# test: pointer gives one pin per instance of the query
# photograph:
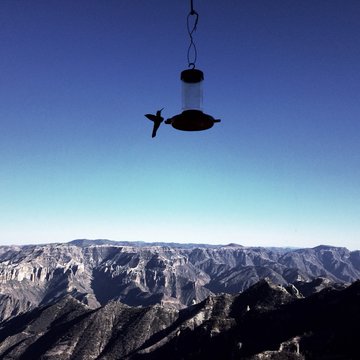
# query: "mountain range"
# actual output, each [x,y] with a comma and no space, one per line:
[161,300]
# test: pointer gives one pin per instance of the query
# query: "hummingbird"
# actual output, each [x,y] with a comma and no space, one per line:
[157,119]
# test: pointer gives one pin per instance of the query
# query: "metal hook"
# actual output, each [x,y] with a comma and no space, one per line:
[192,7]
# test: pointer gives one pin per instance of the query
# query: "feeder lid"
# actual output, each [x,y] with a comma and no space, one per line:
[192,76]
[192,120]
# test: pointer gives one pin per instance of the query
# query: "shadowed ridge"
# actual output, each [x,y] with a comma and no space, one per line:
[27,336]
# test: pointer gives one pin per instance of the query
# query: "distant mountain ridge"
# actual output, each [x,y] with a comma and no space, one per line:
[87,242]
[96,272]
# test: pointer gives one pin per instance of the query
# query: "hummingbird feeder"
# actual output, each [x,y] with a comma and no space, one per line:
[192,117]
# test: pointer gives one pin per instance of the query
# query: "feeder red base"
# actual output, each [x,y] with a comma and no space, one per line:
[192,120]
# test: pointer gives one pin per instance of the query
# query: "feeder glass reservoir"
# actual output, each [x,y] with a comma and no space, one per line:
[192,117]
[192,92]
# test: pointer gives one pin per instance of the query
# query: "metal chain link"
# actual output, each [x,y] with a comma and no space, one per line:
[191,28]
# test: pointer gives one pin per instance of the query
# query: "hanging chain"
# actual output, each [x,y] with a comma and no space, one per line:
[191,28]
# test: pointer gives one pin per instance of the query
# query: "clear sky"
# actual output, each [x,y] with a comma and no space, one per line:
[76,155]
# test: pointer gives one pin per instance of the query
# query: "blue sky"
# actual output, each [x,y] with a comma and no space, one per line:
[77,157]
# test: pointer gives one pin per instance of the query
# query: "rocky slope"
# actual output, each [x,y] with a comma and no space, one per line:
[96,272]
[266,321]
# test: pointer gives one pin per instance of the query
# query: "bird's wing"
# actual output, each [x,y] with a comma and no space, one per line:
[151,117]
